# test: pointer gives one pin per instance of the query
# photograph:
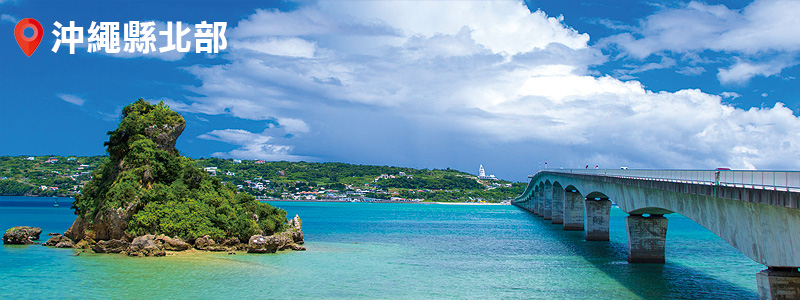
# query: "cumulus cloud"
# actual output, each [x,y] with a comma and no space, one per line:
[732,95]
[743,71]
[251,145]
[765,30]
[8,18]
[293,47]
[71,99]
[432,82]
[764,25]
[293,126]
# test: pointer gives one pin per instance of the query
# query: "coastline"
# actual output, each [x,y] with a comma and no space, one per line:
[470,203]
[401,202]
[290,200]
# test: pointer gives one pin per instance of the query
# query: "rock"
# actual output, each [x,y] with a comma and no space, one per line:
[296,228]
[110,246]
[109,224]
[165,135]
[85,243]
[21,235]
[231,242]
[268,244]
[53,234]
[64,244]
[145,246]
[291,238]
[76,231]
[202,243]
[59,241]
[217,248]
[172,244]
[297,247]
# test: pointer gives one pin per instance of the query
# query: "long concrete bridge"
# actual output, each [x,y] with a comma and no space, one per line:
[756,212]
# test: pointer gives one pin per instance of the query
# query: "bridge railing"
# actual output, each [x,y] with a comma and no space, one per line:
[773,180]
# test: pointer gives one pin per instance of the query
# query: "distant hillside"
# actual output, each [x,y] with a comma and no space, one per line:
[63,176]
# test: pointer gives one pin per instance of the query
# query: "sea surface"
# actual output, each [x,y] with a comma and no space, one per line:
[382,250]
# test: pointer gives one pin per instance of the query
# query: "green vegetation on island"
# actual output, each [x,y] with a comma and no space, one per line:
[146,187]
[63,176]
[165,174]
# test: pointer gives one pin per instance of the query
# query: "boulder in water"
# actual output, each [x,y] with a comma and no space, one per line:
[202,243]
[296,228]
[145,246]
[110,246]
[268,244]
[172,244]
[59,241]
[21,235]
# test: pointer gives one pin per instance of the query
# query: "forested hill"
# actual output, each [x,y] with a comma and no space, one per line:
[63,176]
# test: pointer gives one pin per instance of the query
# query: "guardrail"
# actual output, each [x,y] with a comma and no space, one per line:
[774,180]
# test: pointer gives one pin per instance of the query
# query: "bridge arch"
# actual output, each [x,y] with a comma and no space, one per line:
[595,195]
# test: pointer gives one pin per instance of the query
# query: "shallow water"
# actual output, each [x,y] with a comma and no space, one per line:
[399,251]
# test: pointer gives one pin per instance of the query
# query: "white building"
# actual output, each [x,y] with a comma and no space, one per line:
[482,174]
[211,170]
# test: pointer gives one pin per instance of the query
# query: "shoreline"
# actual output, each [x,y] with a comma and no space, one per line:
[399,202]
[289,200]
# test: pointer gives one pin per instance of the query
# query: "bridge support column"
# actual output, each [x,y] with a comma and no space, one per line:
[540,202]
[646,238]
[532,204]
[548,202]
[597,216]
[573,210]
[778,283]
[557,208]
[535,203]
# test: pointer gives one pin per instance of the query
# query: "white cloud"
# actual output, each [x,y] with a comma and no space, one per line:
[743,71]
[293,47]
[252,145]
[394,82]
[8,18]
[71,99]
[293,126]
[764,25]
[759,36]
[732,95]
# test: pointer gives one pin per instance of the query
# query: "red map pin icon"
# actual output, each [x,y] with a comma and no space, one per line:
[28,44]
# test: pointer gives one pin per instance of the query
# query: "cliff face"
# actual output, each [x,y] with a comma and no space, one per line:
[107,225]
[147,188]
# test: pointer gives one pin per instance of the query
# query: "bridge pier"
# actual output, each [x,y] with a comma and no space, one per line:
[573,210]
[557,208]
[778,283]
[646,238]
[597,216]
[540,201]
[535,199]
[530,203]
[548,202]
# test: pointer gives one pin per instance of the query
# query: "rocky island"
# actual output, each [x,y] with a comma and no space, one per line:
[147,199]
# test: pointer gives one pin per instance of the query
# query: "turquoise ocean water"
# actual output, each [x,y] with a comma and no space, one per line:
[397,251]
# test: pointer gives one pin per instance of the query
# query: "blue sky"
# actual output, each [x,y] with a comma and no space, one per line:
[506,84]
